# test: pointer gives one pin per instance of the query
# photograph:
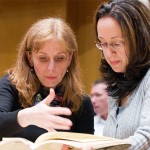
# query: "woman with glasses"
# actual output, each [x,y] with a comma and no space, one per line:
[123,38]
[43,91]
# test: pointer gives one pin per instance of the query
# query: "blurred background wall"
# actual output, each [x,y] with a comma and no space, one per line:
[16,16]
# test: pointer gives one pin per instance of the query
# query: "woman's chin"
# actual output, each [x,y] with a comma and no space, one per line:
[118,70]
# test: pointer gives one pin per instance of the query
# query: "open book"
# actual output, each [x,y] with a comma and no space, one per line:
[65,141]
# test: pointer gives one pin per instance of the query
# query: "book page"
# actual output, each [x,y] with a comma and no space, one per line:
[55,140]
[79,137]
[15,144]
[73,145]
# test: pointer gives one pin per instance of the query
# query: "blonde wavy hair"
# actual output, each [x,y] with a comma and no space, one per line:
[27,82]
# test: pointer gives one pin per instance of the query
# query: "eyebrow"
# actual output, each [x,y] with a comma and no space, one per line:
[63,52]
[111,38]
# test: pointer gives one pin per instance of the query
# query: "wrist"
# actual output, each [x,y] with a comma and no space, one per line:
[22,117]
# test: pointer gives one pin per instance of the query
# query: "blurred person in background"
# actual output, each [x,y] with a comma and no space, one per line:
[99,97]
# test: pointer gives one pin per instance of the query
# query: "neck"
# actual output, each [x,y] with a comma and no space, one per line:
[104,116]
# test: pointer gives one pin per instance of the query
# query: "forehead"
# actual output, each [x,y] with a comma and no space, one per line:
[99,88]
[108,27]
[52,46]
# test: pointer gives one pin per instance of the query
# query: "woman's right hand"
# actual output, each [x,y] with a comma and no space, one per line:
[44,116]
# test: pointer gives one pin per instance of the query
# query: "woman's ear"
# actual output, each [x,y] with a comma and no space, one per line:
[29,56]
[70,58]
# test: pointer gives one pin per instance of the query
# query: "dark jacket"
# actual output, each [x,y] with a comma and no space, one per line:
[83,120]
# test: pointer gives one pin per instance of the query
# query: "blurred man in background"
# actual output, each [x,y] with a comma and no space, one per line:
[99,98]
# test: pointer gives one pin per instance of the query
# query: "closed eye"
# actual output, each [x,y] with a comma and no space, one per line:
[61,58]
[43,59]
[116,44]
[103,44]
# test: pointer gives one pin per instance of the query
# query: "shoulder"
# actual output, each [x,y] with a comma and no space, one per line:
[147,76]
[6,84]
[5,80]
[86,97]
[145,83]
[86,101]
[96,118]
[86,104]
[112,102]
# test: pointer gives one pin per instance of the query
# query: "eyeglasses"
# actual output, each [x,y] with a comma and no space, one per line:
[116,45]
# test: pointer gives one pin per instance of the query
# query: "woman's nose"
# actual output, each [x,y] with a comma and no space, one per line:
[109,52]
[51,65]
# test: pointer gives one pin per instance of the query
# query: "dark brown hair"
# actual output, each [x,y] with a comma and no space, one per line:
[134,20]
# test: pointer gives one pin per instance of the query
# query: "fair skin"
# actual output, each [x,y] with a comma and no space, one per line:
[109,31]
[99,100]
[50,65]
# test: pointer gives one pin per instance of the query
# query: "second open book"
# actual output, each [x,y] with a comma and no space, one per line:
[59,140]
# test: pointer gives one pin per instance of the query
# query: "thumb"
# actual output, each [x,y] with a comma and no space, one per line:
[50,97]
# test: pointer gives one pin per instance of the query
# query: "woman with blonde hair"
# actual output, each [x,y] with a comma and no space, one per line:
[43,91]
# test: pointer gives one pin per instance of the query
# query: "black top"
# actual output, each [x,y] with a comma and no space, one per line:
[83,120]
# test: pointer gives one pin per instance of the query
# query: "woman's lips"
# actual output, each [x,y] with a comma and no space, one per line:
[114,62]
[51,78]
